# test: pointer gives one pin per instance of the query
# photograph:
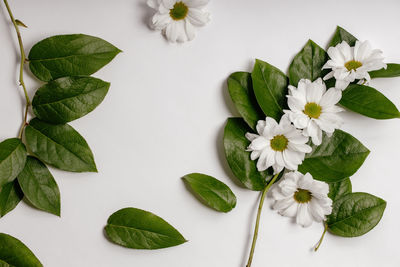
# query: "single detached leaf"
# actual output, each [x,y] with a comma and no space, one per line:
[10,196]
[211,191]
[39,186]
[337,158]
[392,70]
[308,63]
[12,159]
[342,35]
[240,89]
[14,253]
[368,102]
[355,214]
[60,146]
[235,144]
[270,88]
[139,229]
[69,98]
[69,55]
[339,189]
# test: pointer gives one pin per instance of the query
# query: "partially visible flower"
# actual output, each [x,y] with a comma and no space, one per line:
[313,108]
[300,196]
[352,63]
[177,19]
[277,145]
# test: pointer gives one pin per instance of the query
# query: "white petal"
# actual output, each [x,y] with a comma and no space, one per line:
[196,3]
[160,21]
[190,30]
[279,159]
[303,216]
[198,17]
[260,127]
[153,4]
[251,136]
[314,92]
[290,211]
[331,97]
[341,84]
[259,143]
[283,203]
[316,211]
[306,181]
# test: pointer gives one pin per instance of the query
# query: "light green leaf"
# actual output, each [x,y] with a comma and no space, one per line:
[392,70]
[339,189]
[342,35]
[15,253]
[12,159]
[10,196]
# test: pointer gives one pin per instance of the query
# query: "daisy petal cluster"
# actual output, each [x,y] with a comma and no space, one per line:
[178,19]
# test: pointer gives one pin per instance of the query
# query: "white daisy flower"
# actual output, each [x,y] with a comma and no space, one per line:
[300,196]
[277,145]
[177,19]
[352,63]
[313,108]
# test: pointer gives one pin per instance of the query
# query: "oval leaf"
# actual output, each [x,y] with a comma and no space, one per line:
[39,186]
[69,98]
[60,146]
[69,55]
[355,214]
[10,196]
[342,35]
[337,158]
[139,229]
[392,70]
[211,191]
[15,253]
[369,102]
[12,159]
[339,189]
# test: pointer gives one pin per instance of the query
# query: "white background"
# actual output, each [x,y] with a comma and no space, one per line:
[163,118]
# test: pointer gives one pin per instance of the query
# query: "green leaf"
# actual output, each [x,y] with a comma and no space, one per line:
[10,196]
[12,159]
[339,189]
[337,158]
[60,146]
[368,102]
[270,87]
[69,55]
[235,144]
[139,229]
[241,91]
[342,35]
[211,191]
[392,70]
[39,186]
[15,253]
[69,98]
[355,214]
[308,63]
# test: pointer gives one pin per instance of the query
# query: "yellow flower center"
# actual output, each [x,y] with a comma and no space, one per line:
[312,110]
[279,142]
[352,65]
[302,196]
[179,11]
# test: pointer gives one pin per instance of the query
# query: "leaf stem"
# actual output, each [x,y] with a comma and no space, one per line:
[260,206]
[322,237]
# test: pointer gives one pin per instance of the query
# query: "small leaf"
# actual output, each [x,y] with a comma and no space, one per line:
[39,186]
[355,214]
[60,146]
[339,189]
[270,87]
[20,23]
[14,253]
[10,196]
[369,102]
[12,159]
[69,55]
[211,191]
[241,91]
[337,158]
[392,70]
[139,229]
[342,35]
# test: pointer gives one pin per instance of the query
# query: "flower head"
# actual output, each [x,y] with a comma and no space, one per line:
[277,145]
[352,63]
[313,108]
[300,196]
[177,19]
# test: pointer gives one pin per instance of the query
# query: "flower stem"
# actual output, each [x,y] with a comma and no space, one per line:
[322,237]
[255,235]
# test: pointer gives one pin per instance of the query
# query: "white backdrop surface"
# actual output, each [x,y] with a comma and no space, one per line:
[163,118]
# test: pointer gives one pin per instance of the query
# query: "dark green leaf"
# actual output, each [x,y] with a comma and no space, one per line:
[10,196]
[337,158]
[241,91]
[60,146]
[368,102]
[211,191]
[270,87]
[69,98]
[355,214]
[12,159]
[339,189]
[69,55]
[139,229]
[15,253]
[39,186]
[392,70]
[342,35]
[235,144]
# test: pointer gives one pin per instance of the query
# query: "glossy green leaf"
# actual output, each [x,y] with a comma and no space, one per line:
[235,144]
[368,102]
[339,189]
[392,70]
[15,253]
[240,89]
[10,196]
[39,186]
[69,55]
[69,98]
[270,88]
[211,191]
[355,214]
[60,146]
[337,158]
[12,159]
[139,229]
[342,35]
